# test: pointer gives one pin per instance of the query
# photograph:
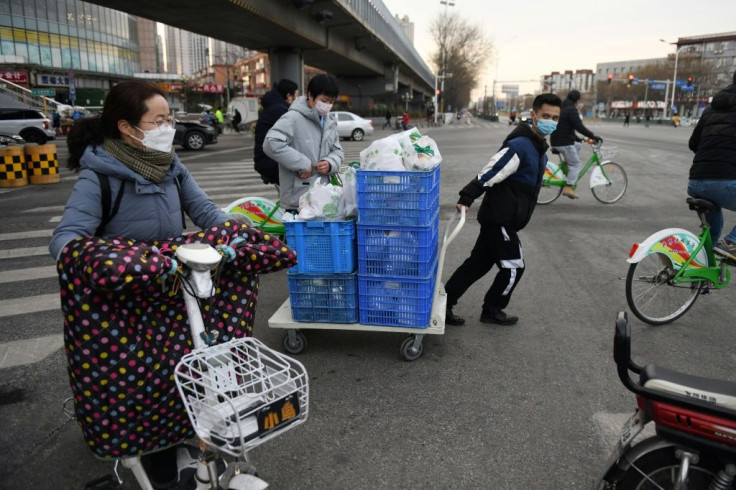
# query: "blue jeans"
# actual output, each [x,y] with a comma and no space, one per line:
[571,155]
[722,193]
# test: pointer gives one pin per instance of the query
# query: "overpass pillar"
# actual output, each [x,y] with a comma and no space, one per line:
[287,63]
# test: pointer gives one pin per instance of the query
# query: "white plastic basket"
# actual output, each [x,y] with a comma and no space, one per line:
[239,394]
[607,152]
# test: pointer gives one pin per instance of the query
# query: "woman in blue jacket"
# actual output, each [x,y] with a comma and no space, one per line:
[131,146]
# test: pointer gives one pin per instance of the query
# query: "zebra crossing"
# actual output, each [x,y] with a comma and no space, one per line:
[28,278]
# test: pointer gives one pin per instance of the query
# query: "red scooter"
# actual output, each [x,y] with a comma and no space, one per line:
[695,421]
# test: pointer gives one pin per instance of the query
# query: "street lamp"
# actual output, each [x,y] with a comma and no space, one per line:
[674,76]
[446,3]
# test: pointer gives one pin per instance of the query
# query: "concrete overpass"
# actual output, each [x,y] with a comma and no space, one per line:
[358,41]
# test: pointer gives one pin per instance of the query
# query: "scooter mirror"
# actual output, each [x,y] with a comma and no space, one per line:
[622,340]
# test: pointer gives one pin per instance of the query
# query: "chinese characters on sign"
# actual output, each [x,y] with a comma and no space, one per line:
[212,88]
[52,80]
[15,76]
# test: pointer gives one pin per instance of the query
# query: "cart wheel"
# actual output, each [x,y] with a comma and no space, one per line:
[410,352]
[295,346]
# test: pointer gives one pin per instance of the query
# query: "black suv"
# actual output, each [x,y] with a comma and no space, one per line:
[193,135]
[30,124]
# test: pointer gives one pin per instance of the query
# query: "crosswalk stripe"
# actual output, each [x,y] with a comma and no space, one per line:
[45,209]
[29,304]
[23,352]
[28,274]
[16,253]
[20,235]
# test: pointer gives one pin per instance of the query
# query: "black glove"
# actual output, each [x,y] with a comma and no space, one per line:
[597,139]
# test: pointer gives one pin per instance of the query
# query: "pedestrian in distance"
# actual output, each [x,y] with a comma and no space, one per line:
[627,118]
[647,117]
[566,141]
[237,119]
[56,122]
[387,120]
[675,121]
[219,120]
[510,181]
[275,103]
[304,141]
[713,173]
[405,121]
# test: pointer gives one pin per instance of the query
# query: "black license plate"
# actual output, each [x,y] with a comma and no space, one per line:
[277,414]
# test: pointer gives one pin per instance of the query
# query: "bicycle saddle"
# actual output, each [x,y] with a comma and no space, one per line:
[555,151]
[716,391]
[699,204]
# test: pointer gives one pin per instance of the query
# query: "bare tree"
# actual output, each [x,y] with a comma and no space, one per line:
[462,49]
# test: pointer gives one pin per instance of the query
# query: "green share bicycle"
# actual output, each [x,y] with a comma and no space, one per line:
[607,181]
[671,268]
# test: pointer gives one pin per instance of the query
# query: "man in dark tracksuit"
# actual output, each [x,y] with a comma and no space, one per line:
[511,182]
[275,104]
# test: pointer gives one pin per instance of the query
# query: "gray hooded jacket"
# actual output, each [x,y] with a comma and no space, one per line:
[147,212]
[297,142]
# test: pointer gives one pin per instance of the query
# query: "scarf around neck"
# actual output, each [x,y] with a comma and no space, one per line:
[150,164]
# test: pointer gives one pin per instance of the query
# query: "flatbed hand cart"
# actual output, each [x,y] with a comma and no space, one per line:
[294,341]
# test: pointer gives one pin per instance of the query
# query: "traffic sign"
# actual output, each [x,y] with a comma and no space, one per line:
[48,92]
[685,88]
[657,86]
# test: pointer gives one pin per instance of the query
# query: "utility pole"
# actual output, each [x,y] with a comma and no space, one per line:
[446,3]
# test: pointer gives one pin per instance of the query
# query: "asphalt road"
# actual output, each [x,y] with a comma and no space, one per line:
[533,406]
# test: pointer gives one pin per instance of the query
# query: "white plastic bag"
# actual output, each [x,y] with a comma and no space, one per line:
[321,202]
[383,154]
[426,155]
[349,199]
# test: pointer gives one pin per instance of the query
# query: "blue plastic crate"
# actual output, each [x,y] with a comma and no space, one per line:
[398,251]
[398,198]
[322,247]
[396,301]
[319,298]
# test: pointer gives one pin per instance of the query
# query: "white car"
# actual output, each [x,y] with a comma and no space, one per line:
[351,125]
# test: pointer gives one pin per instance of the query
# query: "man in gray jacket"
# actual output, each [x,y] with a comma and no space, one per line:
[304,141]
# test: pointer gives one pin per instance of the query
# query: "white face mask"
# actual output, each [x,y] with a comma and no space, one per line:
[323,108]
[160,139]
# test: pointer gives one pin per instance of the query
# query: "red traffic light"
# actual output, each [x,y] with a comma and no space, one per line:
[439,91]
[631,77]
[689,81]
[610,77]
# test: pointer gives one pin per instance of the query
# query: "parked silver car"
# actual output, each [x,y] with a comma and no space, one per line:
[33,126]
[351,125]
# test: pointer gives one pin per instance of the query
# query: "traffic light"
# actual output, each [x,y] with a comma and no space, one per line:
[439,95]
[610,78]
[689,81]
[631,80]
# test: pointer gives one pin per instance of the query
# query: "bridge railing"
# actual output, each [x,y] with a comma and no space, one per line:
[25,96]
[377,18]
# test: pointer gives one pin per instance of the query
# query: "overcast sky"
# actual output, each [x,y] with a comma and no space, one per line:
[532,38]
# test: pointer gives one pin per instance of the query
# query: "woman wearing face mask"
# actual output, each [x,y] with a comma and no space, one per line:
[304,141]
[130,144]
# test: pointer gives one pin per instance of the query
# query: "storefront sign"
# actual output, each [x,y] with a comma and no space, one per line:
[52,80]
[15,76]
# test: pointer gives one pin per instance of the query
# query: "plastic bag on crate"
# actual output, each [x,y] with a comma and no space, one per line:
[427,155]
[349,199]
[321,202]
[383,154]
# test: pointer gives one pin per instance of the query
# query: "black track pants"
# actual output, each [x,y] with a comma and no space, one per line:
[495,245]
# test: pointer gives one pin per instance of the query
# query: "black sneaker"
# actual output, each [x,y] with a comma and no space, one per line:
[453,319]
[497,316]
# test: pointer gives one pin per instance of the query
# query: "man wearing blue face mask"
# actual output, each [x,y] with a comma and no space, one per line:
[511,181]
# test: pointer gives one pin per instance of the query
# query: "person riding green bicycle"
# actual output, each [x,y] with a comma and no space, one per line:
[567,143]
[713,173]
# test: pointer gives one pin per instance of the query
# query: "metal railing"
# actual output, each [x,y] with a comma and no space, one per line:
[376,17]
[25,96]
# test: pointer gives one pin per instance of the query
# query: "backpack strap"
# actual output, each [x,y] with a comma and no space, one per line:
[106,201]
[177,179]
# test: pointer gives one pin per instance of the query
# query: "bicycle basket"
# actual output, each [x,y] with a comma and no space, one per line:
[239,394]
[607,152]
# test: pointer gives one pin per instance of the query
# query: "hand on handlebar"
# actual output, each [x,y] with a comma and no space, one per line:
[460,208]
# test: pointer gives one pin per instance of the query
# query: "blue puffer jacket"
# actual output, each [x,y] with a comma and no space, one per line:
[148,211]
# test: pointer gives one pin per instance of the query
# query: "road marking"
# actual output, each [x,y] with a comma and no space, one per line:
[212,153]
[20,235]
[15,253]
[29,304]
[23,352]
[46,209]
[28,274]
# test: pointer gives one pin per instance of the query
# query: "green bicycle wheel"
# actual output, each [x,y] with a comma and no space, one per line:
[616,187]
[652,295]
[548,193]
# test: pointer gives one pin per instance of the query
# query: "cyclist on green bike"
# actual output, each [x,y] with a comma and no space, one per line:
[713,173]
[567,143]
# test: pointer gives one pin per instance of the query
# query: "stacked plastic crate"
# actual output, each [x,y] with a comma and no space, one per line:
[323,286]
[398,236]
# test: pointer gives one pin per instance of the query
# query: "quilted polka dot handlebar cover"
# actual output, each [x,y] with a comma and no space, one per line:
[126,328]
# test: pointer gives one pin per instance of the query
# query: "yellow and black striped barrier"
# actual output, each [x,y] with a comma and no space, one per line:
[13,168]
[42,164]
